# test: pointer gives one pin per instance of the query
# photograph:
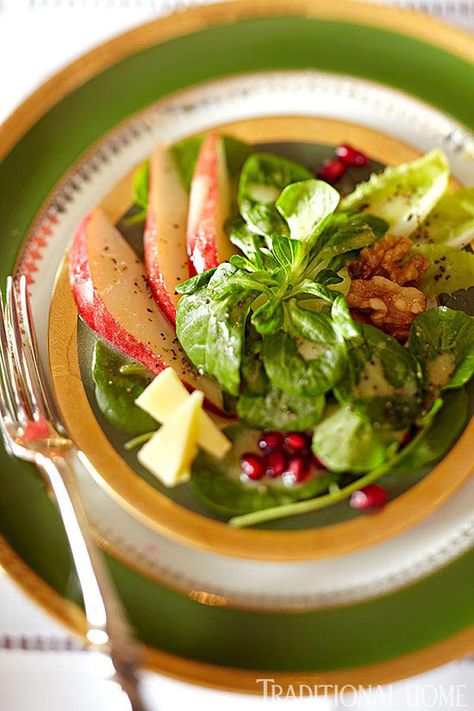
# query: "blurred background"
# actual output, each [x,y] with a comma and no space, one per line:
[41,667]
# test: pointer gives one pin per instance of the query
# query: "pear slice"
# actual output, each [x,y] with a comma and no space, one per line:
[165,394]
[170,452]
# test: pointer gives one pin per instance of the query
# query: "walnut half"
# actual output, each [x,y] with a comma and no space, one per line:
[390,306]
[386,258]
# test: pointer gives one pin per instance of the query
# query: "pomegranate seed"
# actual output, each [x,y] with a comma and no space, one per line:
[275,463]
[270,441]
[298,470]
[371,496]
[332,170]
[351,155]
[296,442]
[252,465]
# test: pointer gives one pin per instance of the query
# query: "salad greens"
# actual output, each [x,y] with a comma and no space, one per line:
[381,379]
[442,340]
[451,222]
[346,441]
[336,494]
[403,195]
[273,328]
[448,270]
[116,390]
[218,483]
[262,180]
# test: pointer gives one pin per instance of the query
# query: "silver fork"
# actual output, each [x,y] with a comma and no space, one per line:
[32,431]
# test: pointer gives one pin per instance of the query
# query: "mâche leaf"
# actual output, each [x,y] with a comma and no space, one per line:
[262,179]
[305,206]
[310,361]
[211,330]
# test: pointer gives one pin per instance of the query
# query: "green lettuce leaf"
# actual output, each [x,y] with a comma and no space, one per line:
[211,330]
[305,206]
[277,410]
[451,222]
[403,195]
[448,270]
[262,179]
[382,379]
[442,340]
[345,441]
[116,391]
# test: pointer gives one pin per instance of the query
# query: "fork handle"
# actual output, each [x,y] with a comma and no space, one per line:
[108,633]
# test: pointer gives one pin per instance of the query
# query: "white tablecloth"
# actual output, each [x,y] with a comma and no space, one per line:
[36,38]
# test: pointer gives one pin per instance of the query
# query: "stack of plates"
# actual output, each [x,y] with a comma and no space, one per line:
[325,599]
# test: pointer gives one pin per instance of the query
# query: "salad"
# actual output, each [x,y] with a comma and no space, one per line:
[285,344]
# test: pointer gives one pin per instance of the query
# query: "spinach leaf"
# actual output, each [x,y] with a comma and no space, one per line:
[262,179]
[382,379]
[116,391]
[211,330]
[345,441]
[442,340]
[218,484]
[310,363]
[277,410]
[438,439]
[306,206]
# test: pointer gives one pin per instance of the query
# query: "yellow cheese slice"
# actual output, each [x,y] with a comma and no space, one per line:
[170,452]
[166,393]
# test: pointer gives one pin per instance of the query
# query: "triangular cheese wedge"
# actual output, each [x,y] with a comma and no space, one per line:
[166,393]
[170,452]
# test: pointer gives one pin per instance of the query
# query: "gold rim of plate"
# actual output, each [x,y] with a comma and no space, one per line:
[158,511]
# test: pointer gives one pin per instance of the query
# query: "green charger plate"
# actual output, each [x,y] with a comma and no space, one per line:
[200,639]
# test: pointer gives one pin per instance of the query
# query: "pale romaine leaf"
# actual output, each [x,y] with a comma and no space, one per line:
[442,340]
[305,205]
[451,222]
[402,195]
[448,270]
